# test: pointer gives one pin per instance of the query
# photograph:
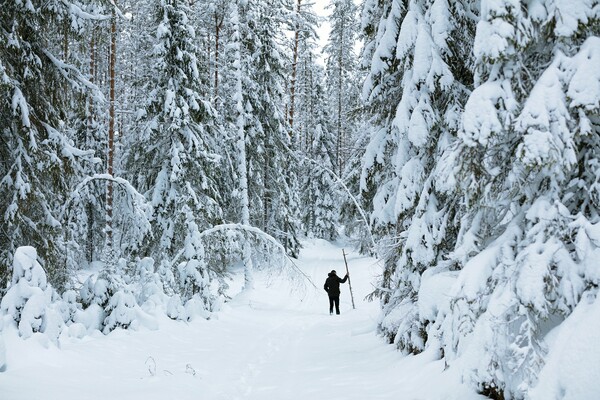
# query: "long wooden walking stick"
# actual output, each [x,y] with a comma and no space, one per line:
[349,283]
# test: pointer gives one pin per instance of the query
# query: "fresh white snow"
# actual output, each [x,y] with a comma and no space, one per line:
[276,341]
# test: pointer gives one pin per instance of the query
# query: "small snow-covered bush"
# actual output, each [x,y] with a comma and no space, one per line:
[92,318]
[175,309]
[120,311]
[94,291]
[109,304]
[151,293]
[2,349]
[30,300]
[69,306]
[199,287]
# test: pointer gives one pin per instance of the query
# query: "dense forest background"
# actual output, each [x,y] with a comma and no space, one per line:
[159,143]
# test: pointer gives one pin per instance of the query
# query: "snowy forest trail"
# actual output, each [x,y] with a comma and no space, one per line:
[275,341]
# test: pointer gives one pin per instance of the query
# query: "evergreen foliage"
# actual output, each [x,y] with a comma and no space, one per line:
[180,115]
[472,162]
[174,161]
[39,160]
[476,168]
[342,80]
[319,189]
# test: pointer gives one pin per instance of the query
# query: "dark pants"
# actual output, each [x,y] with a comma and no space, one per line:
[334,300]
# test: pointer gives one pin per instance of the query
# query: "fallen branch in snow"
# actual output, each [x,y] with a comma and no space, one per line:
[151,363]
[190,370]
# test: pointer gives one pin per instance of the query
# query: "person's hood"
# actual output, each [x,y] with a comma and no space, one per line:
[331,274]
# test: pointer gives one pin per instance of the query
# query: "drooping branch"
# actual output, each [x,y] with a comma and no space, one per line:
[258,233]
[338,179]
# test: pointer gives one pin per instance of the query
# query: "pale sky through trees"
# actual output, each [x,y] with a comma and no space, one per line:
[323,30]
[320,7]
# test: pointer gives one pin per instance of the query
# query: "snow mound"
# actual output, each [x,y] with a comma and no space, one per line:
[571,371]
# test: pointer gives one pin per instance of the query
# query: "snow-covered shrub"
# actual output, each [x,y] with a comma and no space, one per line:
[93,295]
[191,279]
[27,268]
[2,347]
[120,311]
[199,288]
[109,303]
[197,306]
[95,291]
[150,294]
[167,277]
[69,306]
[90,318]
[175,309]
[30,300]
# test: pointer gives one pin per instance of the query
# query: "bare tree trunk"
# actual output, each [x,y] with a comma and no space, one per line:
[294,68]
[92,76]
[66,41]
[90,232]
[266,194]
[218,26]
[111,129]
[340,132]
[311,98]
[90,208]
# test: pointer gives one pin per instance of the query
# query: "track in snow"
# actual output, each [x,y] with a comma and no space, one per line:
[271,342]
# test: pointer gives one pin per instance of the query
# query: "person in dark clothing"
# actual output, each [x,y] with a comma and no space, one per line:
[332,287]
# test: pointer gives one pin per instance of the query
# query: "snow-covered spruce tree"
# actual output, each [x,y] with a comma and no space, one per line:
[272,186]
[310,128]
[174,161]
[309,76]
[320,191]
[39,161]
[416,89]
[340,65]
[87,119]
[303,22]
[527,163]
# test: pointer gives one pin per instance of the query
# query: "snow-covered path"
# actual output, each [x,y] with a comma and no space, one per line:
[273,342]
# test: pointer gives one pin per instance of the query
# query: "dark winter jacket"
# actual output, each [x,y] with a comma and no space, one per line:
[332,284]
